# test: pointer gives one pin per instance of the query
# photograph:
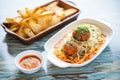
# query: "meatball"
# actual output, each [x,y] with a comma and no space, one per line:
[70,49]
[81,33]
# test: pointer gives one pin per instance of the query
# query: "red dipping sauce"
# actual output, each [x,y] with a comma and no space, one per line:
[30,62]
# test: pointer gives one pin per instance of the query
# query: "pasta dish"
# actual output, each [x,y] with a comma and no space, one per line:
[80,44]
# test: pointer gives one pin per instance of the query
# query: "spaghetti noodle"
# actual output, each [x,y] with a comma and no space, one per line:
[80,45]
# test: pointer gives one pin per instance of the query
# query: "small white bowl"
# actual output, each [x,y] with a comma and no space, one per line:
[104,26]
[27,53]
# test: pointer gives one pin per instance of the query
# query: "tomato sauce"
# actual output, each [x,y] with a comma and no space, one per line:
[30,62]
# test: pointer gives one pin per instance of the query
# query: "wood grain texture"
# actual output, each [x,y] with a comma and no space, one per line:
[105,67]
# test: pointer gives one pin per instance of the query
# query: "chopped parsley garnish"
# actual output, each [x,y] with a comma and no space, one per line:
[82,33]
[82,29]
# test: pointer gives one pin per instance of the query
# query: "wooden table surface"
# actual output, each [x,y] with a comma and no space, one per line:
[105,67]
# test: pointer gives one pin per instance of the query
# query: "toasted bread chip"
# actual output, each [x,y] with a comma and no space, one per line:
[51,6]
[55,20]
[60,13]
[45,21]
[69,12]
[46,13]
[21,33]
[28,32]
[36,28]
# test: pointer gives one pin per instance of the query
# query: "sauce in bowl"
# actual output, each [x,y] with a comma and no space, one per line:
[30,62]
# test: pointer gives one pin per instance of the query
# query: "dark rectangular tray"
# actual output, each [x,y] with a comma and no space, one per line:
[50,29]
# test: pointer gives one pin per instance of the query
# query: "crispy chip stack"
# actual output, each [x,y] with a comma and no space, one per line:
[31,22]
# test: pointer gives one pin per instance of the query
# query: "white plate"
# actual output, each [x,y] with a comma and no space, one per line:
[49,45]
